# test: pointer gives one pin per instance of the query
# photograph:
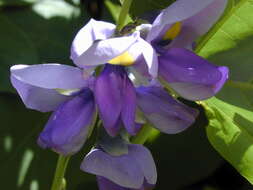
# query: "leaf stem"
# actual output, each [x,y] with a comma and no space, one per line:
[123,14]
[59,182]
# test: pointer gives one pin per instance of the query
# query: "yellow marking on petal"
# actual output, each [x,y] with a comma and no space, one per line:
[68,92]
[125,59]
[173,31]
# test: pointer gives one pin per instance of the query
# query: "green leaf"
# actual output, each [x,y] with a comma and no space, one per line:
[234,26]
[115,9]
[230,130]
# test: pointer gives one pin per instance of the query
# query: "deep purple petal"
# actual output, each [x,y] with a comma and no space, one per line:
[122,170]
[108,97]
[49,76]
[105,50]
[68,127]
[165,113]
[191,76]
[93,30]
[129,106]
[36,98]
[178,11]
[105,184]
[199,24]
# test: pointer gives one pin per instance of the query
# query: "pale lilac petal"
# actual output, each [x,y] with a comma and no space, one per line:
[108,97]
[104,50]
[178,11]
[68,127]
[191,76]
[122,170]
[145,160]
[141,47]
[49,76]
[93,30]
[199,24]
[129,107]
[165,113]
[36,98]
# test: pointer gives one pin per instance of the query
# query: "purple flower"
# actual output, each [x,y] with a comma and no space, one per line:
[114,91]
[116,99]
[173,32]
[67,90]
[68,127]
[191,76]
[39,86]
[134,170]
[163,111]
[184,21]
[96,44]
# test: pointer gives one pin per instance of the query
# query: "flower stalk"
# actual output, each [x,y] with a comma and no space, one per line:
[59,182]
[143,135]
[123,14]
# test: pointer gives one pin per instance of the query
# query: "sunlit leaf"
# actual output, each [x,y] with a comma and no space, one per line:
[230,130]
[115,9]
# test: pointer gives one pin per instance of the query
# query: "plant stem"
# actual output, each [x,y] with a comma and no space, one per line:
[59,182]
[143,135]
[123,14]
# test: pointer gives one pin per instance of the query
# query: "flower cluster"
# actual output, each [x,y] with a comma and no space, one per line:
[125,79]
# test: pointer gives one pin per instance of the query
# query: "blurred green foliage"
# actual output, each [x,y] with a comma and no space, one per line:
[141,7]
[30,35]
[16,2]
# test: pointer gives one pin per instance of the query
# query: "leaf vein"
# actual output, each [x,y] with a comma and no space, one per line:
[231,120]
[243,20]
